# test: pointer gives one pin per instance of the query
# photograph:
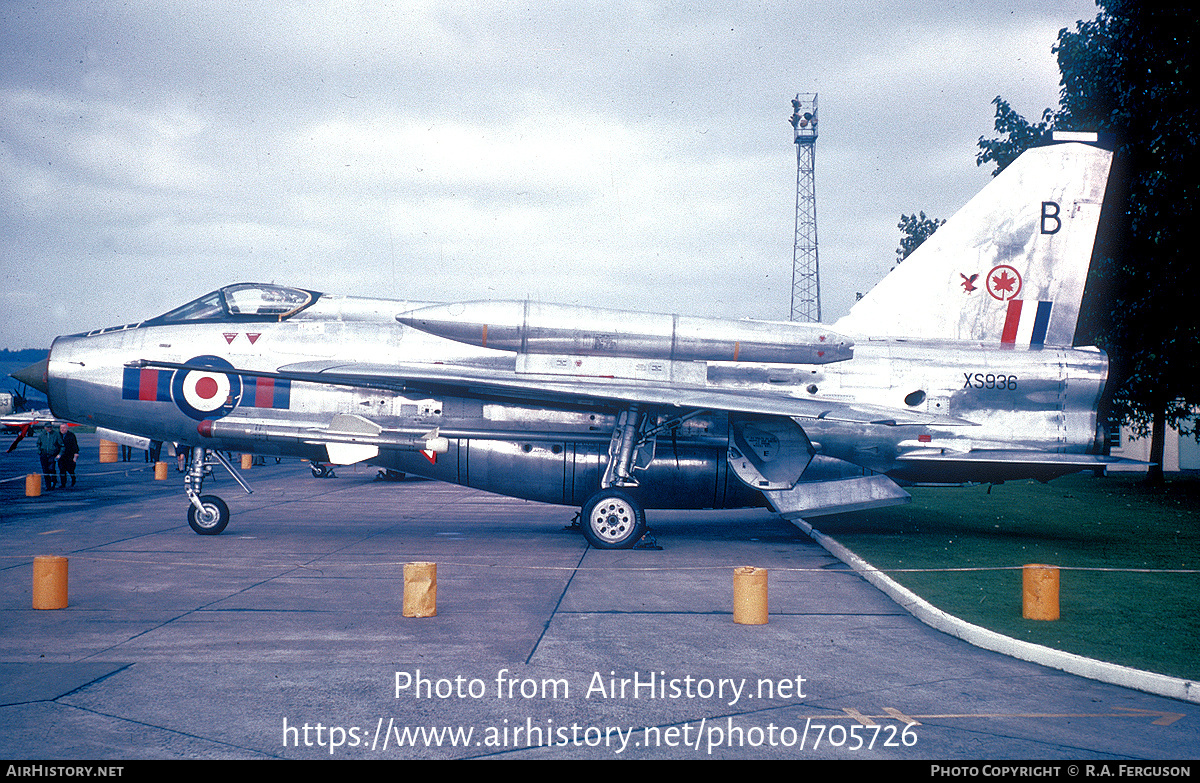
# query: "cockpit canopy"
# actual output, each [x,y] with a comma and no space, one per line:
[242,302]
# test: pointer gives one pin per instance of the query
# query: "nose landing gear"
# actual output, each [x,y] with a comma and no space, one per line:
[210,518]
[208,514]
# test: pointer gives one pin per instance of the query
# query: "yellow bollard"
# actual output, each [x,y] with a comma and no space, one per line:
[420,589]
[33,485]
[160,471]
[1039,592]
[750,595]
[49,582]
[108,451]
[247,461]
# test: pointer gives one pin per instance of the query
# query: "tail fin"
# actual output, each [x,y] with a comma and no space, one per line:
[1009,267]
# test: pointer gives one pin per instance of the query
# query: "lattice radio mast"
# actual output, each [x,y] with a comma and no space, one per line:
[806,278]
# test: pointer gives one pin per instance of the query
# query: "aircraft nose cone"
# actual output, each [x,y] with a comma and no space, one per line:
[35,375]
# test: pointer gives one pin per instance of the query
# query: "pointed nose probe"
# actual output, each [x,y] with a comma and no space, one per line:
[35,375]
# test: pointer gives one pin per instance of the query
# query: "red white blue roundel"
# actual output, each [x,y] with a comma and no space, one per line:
[201,394]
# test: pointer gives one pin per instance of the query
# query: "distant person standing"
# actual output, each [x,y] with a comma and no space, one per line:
[68,457]
[49,446]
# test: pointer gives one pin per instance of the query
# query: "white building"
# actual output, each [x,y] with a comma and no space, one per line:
[1180,452]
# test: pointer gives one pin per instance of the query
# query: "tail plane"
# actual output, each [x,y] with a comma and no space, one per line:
[1008,268]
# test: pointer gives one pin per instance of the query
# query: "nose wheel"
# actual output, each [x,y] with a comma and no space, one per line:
[207,514]
[211,518]
[613,520]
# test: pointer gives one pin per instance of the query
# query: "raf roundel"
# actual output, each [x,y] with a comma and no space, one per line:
[203,394]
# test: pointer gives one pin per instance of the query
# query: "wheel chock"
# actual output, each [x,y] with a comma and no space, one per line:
[420,589]
[750,595]
[49,582]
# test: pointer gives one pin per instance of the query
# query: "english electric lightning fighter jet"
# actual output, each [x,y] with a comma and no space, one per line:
[928,379]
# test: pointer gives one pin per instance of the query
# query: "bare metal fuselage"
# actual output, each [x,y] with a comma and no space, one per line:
[965,401]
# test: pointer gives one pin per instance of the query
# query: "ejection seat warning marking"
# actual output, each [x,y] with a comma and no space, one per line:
[231,336]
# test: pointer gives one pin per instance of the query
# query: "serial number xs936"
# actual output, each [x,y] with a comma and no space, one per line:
[989,380]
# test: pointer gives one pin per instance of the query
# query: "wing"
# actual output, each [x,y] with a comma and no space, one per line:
[583,380]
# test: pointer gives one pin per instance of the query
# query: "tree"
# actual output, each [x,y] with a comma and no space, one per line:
[1130,74]
[914,230]
[1019,136]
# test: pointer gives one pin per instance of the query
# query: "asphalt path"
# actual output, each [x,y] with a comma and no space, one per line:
[285,637]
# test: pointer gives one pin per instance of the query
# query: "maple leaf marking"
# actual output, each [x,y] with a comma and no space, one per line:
[1002,282]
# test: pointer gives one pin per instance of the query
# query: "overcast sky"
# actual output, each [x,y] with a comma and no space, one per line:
[632,155]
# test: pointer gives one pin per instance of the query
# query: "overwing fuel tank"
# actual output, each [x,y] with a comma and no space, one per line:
[539,328]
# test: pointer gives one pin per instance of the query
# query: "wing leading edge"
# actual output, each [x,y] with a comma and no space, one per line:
[513,384]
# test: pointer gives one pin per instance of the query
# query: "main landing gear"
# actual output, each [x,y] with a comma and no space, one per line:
[321,470]
[208,514]
[613,520]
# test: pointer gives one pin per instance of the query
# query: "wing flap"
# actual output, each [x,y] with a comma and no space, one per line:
[819,498]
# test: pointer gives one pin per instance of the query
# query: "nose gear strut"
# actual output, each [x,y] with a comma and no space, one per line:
[208,514]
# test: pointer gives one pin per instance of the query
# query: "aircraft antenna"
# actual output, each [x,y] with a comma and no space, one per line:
[806,278]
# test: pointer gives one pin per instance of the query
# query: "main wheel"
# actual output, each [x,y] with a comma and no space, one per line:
[212,520]
[613,520]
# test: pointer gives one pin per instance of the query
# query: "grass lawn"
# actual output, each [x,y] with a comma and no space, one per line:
[1149,621]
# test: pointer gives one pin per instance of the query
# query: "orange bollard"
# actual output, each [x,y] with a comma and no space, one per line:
[750,595]
[247,461]
[49,582]
[33,485]
[420,589]
[160,471]
[1039,592]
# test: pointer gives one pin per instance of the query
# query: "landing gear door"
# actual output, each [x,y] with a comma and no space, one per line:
[768,452]
[643,455]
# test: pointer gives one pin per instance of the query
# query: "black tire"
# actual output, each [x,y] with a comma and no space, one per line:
[613,520]
[213,520]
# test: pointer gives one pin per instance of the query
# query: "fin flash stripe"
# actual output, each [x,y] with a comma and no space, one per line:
[1019,320]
